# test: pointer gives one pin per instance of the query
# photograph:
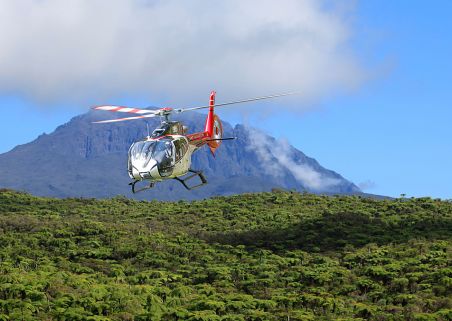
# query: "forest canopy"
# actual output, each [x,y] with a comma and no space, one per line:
[266,256]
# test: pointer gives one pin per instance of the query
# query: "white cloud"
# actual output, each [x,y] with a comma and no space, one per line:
[80,50]
[278,155]
[367,185]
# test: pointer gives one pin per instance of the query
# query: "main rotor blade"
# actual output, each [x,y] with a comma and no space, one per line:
[235,102]
[122,119]
[124,109]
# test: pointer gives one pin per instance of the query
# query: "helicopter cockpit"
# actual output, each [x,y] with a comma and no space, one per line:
[152,159]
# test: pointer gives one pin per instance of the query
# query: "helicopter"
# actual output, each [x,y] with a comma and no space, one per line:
[167,152]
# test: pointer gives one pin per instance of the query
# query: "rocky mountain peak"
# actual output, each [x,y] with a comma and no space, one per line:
[84,159]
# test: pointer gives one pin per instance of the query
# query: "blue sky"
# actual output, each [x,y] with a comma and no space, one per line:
[392,133]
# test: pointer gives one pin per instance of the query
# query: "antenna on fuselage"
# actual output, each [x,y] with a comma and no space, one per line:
[147,127]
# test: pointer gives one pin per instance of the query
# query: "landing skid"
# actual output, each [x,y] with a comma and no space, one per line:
[134,190]
[184,181]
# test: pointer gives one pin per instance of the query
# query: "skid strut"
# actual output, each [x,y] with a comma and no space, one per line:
[134,190]
[186,179]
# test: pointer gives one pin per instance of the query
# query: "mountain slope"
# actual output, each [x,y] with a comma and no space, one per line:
[84,159]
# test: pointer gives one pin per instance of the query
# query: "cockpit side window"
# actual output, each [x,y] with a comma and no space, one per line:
[178,147]
[181,147]
[184,145]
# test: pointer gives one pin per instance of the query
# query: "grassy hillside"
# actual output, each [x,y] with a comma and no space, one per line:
[269,256]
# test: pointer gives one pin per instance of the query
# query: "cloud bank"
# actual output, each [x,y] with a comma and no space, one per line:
[81,50]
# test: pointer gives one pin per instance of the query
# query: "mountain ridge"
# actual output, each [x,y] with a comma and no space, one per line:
[81,159]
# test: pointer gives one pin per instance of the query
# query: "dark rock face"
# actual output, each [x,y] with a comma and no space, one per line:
[81,159]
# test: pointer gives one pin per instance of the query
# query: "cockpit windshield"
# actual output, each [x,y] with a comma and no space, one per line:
[141,150]
[162,151]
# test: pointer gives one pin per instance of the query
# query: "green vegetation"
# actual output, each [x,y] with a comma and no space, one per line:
[269,256]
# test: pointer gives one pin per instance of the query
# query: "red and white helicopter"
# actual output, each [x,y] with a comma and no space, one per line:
[166,153]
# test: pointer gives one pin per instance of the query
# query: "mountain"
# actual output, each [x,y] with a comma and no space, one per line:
[81,159]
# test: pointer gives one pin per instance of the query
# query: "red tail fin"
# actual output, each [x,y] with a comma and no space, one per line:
[209,121]
[213,125]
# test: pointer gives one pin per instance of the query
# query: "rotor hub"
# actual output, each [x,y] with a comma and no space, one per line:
[165,112]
